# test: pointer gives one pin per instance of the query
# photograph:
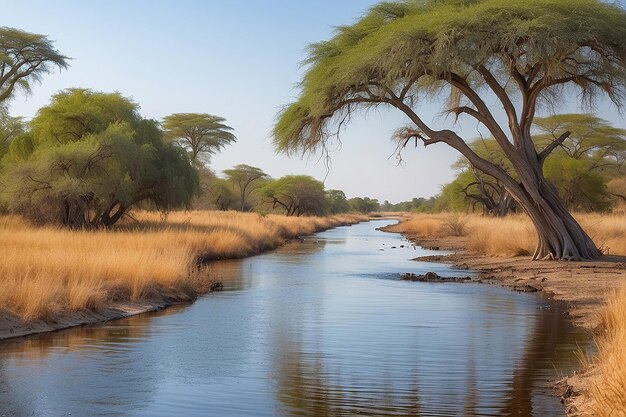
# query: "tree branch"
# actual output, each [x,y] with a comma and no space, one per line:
[552,146]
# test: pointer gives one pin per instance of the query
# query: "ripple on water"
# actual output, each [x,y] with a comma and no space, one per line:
[323,327]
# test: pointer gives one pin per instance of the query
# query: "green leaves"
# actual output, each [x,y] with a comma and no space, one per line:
[404,51]
[24,58]
[200,134]
[88,158]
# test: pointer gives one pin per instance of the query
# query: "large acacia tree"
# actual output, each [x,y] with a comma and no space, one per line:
[24,58]
[519,54]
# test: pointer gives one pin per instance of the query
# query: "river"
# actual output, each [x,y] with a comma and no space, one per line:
[322,327]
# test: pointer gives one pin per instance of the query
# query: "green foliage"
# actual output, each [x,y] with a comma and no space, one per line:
[364,205]
[76,112]
[452,196]
[10,129]
[296,195]
[593,154]
[246,179]
[25,58]
[410,49]
[221,195]
[89,158]
[200,134]
[337,202]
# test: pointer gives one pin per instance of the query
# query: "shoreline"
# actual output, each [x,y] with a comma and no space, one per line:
[582,285]
[13,327]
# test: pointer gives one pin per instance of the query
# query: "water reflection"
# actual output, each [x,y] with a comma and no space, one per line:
[319,328]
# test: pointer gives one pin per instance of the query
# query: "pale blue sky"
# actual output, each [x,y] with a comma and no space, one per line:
[237,59]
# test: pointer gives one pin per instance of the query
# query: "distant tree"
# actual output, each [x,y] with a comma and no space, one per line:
[200,134]
[246,178]
[91,158]
[221,195]
[25,58]
[523,54]
[337,202]
[296,195]
[364,205]
[592,155]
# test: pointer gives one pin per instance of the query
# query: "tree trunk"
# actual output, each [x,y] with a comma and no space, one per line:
[559,234]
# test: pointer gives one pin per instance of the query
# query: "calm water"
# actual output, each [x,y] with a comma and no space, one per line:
[320,328]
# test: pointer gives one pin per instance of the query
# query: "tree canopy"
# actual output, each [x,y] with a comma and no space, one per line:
[200,134]
[24,59]
[523,53]
[246,178]
[296,195]
[90,158]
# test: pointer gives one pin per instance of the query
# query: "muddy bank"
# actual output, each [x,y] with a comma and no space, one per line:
[584,286]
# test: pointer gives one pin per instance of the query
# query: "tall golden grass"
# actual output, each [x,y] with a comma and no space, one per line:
[608,391]
[44,270]
[513,235]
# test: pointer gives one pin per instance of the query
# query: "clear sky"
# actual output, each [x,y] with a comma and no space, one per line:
[238,59]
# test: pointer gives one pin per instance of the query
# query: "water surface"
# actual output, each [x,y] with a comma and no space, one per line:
[320,328]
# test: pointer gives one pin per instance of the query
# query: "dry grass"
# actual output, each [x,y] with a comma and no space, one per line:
[608,391]
[45,270]
[512,235]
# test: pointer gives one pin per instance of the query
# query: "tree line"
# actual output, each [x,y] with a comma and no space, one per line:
[88,157]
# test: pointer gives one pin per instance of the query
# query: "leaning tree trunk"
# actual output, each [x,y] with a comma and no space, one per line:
[559,234]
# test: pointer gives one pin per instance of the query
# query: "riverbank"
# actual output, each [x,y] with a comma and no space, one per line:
[53,278]
[476,243]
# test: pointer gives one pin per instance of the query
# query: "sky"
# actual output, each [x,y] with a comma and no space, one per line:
[239,59]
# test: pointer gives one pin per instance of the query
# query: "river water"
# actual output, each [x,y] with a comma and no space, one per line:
[319,328]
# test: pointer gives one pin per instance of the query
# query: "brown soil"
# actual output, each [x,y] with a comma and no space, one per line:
[582,285]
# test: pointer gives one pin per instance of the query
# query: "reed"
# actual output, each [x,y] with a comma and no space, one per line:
[514,234]
[47,270]
[607,394]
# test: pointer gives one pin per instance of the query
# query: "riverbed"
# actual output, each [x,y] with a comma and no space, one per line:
[319,327]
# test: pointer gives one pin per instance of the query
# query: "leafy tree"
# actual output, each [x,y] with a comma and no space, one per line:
[10,129]
[337,202]
[363,205]
[296,195]
[522,52]
[200,134]
[221,195]
[246,178]
[90,159]
[24,58]
[592,154]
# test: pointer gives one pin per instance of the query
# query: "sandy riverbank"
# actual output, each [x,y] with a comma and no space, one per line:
[584,286]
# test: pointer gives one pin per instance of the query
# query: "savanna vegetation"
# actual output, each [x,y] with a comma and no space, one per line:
[92,194]
[522,53]
[48,270]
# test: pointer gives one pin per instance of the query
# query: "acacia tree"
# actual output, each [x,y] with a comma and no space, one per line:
[296,195]
[24,58]
[246,177]
[520,52]
[200,134]
[89,157]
